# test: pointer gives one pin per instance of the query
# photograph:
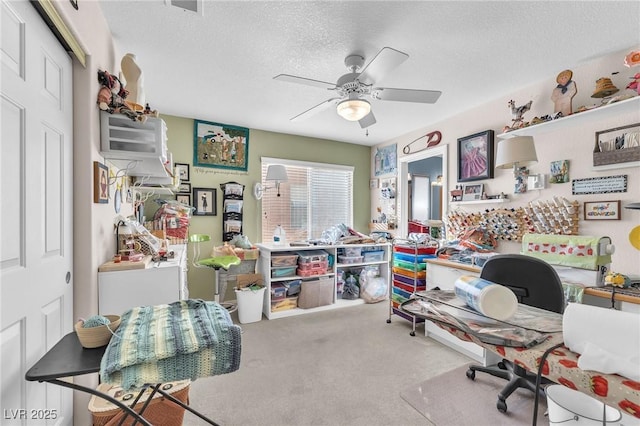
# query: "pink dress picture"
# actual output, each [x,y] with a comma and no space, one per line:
[475,157]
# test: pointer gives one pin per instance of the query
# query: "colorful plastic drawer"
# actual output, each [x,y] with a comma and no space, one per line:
[421,275]
[411,257]
[413,250]
[409,281]
[407,287]
[409,265]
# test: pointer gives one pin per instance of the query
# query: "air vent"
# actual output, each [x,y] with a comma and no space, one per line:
[190,5]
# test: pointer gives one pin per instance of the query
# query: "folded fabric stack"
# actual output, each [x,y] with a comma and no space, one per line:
[188,339]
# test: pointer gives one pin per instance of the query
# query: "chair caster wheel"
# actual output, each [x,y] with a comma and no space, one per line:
[413,333]
[389,321]
[502,365]
[471,374]
[501,405]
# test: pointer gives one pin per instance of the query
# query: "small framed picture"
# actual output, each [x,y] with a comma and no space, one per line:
[472,191]
[100,183]
[183,171]
[184,199]
[602,210]
[373,183]
[204,200]
[184,187]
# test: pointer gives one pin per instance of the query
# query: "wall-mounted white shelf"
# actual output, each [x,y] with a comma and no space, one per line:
[490,201]
[629,165]
[621,107]
[155,190]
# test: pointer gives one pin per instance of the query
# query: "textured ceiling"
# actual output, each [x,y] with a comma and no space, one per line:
[219,66]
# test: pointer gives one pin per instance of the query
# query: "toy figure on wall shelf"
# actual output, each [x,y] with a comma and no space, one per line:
[564,93]
[518,113]
[111,97]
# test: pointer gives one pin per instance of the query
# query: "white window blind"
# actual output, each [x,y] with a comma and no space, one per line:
[315,197]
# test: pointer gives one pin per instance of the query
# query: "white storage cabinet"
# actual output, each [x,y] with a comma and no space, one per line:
[119,291]
[266,269]
[443,274]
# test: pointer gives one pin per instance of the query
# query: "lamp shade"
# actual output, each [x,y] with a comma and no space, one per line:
[277,172]
[518,151]
[354,108]
[633,206]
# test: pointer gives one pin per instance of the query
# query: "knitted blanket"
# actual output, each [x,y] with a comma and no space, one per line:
[182,340]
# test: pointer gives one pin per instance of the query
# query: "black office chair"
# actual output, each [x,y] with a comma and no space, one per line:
[535,283]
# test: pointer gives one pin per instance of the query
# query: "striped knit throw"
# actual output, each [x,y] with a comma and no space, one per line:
[182,340]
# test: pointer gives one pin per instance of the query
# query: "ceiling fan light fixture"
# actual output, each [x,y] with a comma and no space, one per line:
[353,109]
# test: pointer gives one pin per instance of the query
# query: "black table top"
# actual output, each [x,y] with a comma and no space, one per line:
[67,358]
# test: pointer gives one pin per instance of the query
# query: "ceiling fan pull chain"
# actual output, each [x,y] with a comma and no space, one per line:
[433,139]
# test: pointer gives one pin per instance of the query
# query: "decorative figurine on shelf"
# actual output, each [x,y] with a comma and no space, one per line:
[635,84]
[564,93]
[111,97]
[456,194]
[518,112]
[604,88]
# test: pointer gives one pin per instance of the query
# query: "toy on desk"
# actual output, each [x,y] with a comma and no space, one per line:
[617,280]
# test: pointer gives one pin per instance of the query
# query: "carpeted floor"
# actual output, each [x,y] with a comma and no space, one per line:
[341,367]
[451,399]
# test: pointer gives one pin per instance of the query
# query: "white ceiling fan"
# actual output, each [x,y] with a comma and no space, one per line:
[355,87]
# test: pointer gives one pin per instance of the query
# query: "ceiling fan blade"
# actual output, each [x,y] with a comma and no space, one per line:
[306,81]
[367,120]
[316,109]
[406,95]
[386,60]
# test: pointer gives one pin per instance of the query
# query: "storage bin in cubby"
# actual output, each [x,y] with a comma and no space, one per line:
[373,256]
[278,291]
[287,271]
[316,293]
[310,256]
[284,304]
[284,259]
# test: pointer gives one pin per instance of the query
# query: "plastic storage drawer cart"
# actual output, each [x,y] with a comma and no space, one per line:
[409,275]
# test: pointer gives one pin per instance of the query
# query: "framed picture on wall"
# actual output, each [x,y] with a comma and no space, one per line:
[204,200]
[602,210]
[184,188]
[220,146]
[475,157]
[183,171]
[184,199]
[100,183]
[472,191]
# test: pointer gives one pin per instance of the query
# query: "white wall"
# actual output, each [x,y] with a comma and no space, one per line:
[572,142]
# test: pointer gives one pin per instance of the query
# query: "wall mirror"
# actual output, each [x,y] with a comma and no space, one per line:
[422,181]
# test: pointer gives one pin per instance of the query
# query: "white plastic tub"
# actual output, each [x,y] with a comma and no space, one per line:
[569,407]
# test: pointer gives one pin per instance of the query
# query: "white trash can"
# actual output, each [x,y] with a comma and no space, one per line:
[250,304]
[567,406]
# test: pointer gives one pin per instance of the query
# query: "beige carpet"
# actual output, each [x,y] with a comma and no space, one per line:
[451,399]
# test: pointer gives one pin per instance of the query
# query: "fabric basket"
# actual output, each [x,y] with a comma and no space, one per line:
[95,337]
[161,411]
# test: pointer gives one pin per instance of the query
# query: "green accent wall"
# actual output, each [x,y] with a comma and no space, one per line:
[261,144]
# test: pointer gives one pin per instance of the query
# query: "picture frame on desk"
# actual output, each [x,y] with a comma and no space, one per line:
[472,192]
[475,156]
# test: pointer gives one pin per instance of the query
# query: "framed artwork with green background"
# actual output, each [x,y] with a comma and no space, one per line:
[221,146]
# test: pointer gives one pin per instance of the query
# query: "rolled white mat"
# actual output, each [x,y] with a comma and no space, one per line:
[608,340]
[490,299]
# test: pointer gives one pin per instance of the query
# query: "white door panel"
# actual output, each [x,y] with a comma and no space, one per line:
[36,216]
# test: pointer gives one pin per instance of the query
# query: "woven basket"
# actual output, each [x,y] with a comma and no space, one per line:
[95,337]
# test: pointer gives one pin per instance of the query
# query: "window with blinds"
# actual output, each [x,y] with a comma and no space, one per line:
[315,197]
